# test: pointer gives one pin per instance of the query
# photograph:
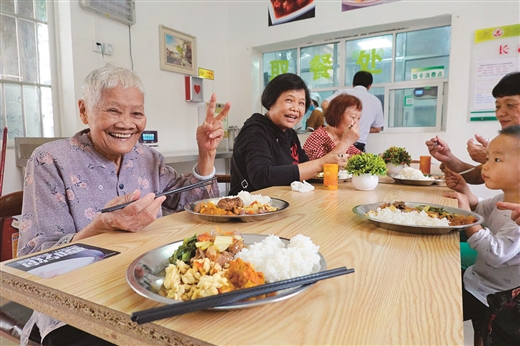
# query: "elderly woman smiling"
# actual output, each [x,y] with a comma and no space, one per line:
[69,181]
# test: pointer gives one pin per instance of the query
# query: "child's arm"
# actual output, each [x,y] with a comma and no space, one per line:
[464,203]
[456,182]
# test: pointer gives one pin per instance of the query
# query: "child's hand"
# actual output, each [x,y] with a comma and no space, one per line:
[455,181]
[461,198]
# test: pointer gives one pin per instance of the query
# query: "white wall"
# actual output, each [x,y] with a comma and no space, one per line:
[230,36]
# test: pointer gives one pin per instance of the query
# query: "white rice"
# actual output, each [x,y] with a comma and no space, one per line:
[248,198]
[413,218]
[277,262]
[411,173]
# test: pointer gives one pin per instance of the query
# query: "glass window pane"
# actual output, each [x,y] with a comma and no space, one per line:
[319,66]
[7,6]
[413,107]
[47,113]
[8,49]
[373,54]
[44,54]
[28,53]
[276,63]
[379,93]
[13,110]
[420,50]
[31,107]
[41,10]
[25,8]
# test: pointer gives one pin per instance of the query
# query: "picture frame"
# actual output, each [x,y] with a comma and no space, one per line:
[178,51]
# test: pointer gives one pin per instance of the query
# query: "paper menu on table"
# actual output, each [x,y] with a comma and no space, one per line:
[56,262]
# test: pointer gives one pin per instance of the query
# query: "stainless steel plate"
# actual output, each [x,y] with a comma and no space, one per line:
[275,202]
[146,275]
[412,181]
[361,210]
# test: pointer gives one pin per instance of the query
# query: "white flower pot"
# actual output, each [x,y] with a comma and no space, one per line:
[393,169]
[365,182]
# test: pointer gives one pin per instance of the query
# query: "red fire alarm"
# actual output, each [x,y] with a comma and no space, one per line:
[193,87]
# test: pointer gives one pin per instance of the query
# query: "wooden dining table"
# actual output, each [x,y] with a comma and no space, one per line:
[405,289]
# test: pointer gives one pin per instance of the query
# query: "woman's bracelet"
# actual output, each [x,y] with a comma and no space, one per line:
[202,177]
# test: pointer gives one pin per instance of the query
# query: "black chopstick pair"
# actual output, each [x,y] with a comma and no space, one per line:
[176,309]
[166,193]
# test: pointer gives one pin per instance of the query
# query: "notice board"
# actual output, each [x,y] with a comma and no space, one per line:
[496,52]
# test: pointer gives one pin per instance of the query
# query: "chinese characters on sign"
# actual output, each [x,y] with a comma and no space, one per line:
[367,60]
[428,72]
[320,66]
[279,67]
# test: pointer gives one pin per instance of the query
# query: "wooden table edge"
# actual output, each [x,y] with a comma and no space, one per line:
[85,314]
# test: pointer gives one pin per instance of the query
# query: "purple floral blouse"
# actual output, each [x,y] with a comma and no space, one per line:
[67,182]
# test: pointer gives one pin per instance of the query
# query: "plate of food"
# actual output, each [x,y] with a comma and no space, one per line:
[162,274]
[282,11]
[416,217]
[412,176]
[243,207]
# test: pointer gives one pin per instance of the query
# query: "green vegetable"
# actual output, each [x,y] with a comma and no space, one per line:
[185,251]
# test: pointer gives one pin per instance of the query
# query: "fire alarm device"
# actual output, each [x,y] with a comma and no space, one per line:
[194,90]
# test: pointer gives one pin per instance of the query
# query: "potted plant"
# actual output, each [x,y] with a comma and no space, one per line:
[366,169]
[396,158]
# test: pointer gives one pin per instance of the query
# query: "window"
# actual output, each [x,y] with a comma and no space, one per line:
[25,72]
[404,64]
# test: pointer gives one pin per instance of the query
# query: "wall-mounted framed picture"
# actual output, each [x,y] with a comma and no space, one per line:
[178,51]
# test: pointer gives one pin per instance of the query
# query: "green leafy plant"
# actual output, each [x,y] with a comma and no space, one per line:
[366,163]
[397,156]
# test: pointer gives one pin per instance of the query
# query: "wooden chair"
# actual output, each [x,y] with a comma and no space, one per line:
[13,316]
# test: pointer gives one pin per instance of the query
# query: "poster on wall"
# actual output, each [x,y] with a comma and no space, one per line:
[496,52]
[285,11]
[347,5]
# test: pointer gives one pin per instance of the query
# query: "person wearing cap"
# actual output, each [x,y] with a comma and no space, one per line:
[317,118]
[314,104]
[372,120]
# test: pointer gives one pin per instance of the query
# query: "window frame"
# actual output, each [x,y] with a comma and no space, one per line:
[51,31]
[441,83]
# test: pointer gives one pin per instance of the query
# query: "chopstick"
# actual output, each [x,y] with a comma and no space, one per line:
[467,170]
[166,193]
[171,310]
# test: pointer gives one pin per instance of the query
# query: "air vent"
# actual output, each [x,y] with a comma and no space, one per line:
[122,11]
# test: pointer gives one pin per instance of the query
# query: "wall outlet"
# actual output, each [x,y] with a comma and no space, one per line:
[103,48]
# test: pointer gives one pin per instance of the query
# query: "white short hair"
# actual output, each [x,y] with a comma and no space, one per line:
[107,77]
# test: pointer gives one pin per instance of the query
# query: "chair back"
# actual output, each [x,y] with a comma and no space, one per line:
[11,204]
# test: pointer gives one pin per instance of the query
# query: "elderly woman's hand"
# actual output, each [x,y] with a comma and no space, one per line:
[340,159]
[211,132]
[131,218]
[351,133]
[478,152]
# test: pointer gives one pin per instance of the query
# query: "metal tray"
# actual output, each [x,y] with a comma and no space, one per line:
[412,181]
[275,202]
[361,210]
[146,275]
